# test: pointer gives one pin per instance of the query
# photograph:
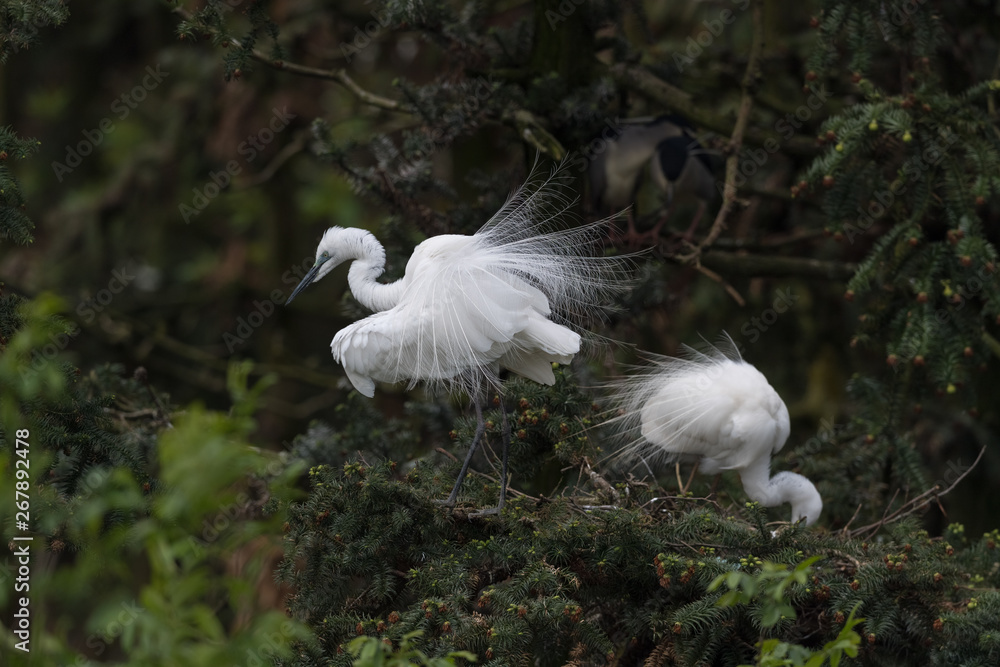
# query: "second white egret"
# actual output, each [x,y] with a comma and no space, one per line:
[719,410]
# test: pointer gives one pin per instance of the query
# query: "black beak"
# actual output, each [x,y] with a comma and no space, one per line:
[306,281]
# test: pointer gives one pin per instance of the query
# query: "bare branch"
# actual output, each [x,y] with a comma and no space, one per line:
[742,120]
[915,504]
[339,75]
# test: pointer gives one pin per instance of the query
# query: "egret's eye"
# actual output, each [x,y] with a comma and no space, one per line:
[326,255]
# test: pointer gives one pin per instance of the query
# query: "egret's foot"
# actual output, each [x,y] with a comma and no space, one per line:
[447,503]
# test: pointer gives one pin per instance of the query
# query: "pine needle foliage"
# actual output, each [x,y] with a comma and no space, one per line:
[551,581]
[21,21]
[907,171]
[14,223]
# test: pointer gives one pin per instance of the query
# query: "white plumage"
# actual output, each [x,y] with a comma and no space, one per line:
[459,315]
[468,306]
[714,407]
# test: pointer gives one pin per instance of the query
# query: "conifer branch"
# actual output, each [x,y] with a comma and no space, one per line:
[339,75]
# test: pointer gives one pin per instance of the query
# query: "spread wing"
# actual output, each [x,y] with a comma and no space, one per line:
[460,317]
[499,298]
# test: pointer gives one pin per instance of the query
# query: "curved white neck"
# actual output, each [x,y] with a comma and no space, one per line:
[785,487]
[369,263]
[757,483]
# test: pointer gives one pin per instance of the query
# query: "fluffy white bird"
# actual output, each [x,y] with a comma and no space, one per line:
[714,407]
[469,306]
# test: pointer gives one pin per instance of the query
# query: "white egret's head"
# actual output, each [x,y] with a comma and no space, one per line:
[330,253]
[793,488]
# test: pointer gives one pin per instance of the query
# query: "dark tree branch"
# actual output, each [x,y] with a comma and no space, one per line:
[731,263]
[749,83]
[648,85]
[339,75]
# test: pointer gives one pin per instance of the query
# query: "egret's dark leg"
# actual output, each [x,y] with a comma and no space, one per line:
[503,465]
[480,429]
[505,424]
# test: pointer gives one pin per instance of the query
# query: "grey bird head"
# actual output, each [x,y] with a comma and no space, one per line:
[615,171]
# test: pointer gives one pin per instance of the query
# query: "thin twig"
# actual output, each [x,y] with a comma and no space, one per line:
[143,376]
[296,146]
[598,481]
[730,290]
[855,516]
[639,79]
[915,504]
[340,75]
[742,120]
[442,450]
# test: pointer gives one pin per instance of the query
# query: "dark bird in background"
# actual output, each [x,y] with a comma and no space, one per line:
[683,170]
[615,175]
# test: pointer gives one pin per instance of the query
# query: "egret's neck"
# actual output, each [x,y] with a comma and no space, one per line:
[757,483]
[785,487]
[368,265]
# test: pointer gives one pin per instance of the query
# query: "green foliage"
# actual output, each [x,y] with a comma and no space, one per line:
[14,223]
[907,172]
[370,652]
[768,587]
[560,579]
[20,21]
[144,582]
[770,583]
[141,503]
[210,20]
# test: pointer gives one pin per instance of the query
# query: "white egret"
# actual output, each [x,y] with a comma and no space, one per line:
[719,410]
[469,306]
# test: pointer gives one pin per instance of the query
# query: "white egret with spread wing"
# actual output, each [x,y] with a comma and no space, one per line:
[719,410]
[469,306]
